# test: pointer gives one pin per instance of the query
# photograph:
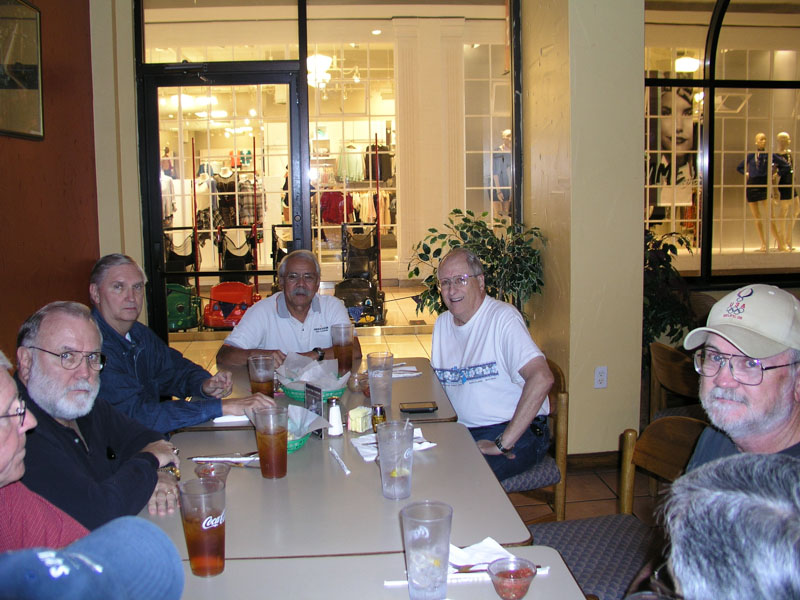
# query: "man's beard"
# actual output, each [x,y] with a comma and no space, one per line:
[55,400]
[750,424]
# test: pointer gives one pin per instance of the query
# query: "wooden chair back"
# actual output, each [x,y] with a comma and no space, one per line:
[559,425]
[670,371]
[663,449]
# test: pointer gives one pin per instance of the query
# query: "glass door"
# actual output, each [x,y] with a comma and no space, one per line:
[222,203]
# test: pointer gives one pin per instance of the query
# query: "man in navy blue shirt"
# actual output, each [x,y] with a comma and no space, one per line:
[141,368]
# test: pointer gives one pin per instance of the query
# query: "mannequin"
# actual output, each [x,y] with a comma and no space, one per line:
[756,171]
[166,163]
[789,203]
[501,169]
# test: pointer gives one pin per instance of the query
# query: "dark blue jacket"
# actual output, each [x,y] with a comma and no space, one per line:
[99,478]
[139,372]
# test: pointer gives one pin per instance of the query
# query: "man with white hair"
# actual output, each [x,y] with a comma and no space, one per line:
[296,319]
[734,529]
[748,358]
[85,457]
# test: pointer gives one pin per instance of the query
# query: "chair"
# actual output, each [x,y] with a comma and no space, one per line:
[549,477]
[605,553]
[672,374]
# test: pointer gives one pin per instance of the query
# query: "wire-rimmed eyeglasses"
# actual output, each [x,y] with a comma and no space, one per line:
[457,281]
[305,277]
[20,412]
[71,359]
[744,369]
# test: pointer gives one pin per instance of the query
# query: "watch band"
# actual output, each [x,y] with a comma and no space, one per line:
[499,444]
[320,353]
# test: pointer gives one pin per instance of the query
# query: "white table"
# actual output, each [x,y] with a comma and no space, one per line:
[317,510]
[425,387]
[347,577]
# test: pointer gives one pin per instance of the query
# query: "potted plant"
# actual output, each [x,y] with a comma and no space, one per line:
[510,254]
[666,310]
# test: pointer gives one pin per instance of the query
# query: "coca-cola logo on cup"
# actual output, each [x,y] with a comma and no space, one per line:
[212,522]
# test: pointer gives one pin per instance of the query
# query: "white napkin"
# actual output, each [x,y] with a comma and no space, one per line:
[485,551]
[232,419]
[367,445]
[399,371]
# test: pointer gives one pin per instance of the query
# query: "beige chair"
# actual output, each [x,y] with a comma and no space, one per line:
[605,553]
[548,479]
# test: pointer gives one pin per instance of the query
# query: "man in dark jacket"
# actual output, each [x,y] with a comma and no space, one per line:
[141,368]
[86,458]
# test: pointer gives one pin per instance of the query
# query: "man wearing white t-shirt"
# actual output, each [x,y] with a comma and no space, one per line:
[492,371]
[297,319]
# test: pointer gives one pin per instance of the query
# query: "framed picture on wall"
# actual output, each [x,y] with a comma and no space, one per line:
[21,112]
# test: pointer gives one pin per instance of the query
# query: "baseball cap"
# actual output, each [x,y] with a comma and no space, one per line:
[126,559]
[760,320]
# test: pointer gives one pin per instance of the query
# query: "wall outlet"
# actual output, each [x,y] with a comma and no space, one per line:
[600,377]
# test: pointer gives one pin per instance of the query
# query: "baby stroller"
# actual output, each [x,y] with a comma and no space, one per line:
[233,257]
[359,288]
[180,257]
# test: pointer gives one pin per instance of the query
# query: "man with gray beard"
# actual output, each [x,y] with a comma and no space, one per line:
[85,457]
[748,358]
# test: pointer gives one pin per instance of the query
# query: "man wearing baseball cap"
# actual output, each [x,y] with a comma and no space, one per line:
[748,358]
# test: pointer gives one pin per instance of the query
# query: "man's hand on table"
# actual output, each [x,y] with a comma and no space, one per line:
[219,386]
[165,496]
[490,448]
[165,452]
[236,406]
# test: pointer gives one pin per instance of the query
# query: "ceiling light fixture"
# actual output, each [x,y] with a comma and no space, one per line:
[686,64]
[318,65]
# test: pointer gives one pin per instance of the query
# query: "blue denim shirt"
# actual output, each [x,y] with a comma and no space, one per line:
[139,372]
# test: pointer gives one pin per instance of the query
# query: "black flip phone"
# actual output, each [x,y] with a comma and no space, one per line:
[418,407]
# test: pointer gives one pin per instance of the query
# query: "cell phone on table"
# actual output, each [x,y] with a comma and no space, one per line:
[418,407]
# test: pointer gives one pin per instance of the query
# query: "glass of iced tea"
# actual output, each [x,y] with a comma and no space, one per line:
[342,338]
[262,374]
[272,436]
[203,516]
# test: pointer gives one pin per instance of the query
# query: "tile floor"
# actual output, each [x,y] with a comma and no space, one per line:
[590,492]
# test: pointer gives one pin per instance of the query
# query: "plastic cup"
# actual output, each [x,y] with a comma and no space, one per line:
[262,374]
[342,338]
[272,436]
[203,517]
[511,577]
[426,538]
[216,469]
[396,457]
[379,367]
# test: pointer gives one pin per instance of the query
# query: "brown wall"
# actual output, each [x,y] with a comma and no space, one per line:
[48,225]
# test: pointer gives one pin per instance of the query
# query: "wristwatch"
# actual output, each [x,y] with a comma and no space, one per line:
[499,444]
[320,353]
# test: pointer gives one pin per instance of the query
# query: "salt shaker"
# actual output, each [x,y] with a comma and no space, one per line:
[335,417]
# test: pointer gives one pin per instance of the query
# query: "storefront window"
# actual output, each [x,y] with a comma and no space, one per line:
[753,199]
[353,139]
[487,116]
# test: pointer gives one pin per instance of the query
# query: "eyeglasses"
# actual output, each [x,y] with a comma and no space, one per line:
[459,281]
[20,412]
[306,277]
[72,359]
[744,369]
[662,583]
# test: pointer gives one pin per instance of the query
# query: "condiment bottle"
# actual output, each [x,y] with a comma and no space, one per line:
[335,417]
[378,416]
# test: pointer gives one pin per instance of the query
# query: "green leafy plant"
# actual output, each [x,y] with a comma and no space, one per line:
[666,309]
[510,254]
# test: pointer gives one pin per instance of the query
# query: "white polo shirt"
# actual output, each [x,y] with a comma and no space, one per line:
[269,325]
